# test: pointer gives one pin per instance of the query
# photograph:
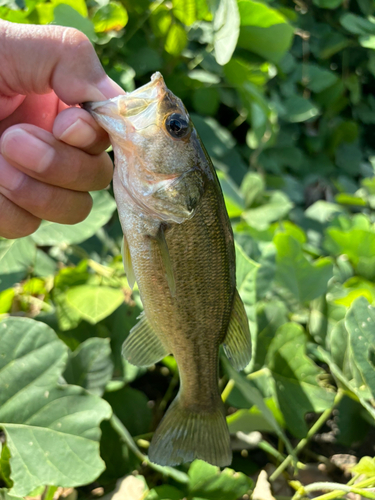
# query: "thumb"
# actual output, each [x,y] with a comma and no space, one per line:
[38,59]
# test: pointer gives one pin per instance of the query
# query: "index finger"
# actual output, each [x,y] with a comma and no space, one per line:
[38,59]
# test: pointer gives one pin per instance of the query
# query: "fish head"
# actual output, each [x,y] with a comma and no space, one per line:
[158,154]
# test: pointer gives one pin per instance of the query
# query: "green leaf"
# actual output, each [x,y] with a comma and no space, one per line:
[357,25]
[306,281]
[112,16]
[130,406]
[264,30]
[5,471]
[65,15]
[165,492]
[360,323]
[277,208]
[94,303]
[246,272]
[299,109]
[176,40]
[90,366]
[185,11]
[227,28]
[50,430]
[68,277]
[252,187]
[206,481]
[51,233]
[6,300]
[16,255]
[296,375]
[78,5]
[316,78]
[366,467]
[327,4]
[254,397]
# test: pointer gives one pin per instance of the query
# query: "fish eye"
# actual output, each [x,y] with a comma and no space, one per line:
[177,126]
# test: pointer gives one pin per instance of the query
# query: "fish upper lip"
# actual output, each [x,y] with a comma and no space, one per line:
[151,91]
[109,107]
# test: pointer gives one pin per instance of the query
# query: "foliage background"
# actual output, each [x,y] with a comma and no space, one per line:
[281,93]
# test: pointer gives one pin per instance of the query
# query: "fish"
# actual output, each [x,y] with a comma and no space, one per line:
[178,246]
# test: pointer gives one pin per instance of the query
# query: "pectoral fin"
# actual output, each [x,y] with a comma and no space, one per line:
[127,263]
[237,343]
[143,347]
[165,257]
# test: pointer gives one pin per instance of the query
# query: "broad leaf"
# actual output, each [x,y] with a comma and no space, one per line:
[206,481]
[94,303]
[50,430]
[306,281]
[264,30]
[297,387]
[51,233]
[360,323]
[254,397]
[90,366]
[65,15]
[112,16]
[176,40]
[16,255]
[246,272]
[227,28]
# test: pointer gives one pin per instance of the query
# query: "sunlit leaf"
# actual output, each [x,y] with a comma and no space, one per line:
[93,303]
[227,28]
[50,430]
[176,40]
[112,16]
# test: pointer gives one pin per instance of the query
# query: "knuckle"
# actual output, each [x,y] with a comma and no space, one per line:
[75,41]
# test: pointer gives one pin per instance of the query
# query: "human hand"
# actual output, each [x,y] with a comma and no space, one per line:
[51,154]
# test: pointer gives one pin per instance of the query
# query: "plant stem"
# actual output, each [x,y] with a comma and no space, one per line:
[339,493]
[268,448]
[318,424]
[125,435]
[227,390]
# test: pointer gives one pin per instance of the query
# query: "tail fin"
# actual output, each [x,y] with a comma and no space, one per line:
[184,435]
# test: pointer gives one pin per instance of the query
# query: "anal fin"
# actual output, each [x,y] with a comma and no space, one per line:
[237,343]
[143,347]
[129,271]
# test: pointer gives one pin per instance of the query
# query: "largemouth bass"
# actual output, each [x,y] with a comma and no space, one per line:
[178,246]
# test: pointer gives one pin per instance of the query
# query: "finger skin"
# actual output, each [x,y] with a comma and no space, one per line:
[14,221]
[66,166]
[88,136]
[48,202]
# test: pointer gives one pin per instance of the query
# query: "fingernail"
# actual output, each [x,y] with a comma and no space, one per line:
[80,134]
[23,148]
[109,88]
[10,177]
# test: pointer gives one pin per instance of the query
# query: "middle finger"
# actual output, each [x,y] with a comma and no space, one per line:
[40,155]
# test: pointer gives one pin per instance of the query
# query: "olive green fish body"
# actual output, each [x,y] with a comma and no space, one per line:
[178,246]
[193,322]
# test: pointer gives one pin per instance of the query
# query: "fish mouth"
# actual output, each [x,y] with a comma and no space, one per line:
[131,103]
